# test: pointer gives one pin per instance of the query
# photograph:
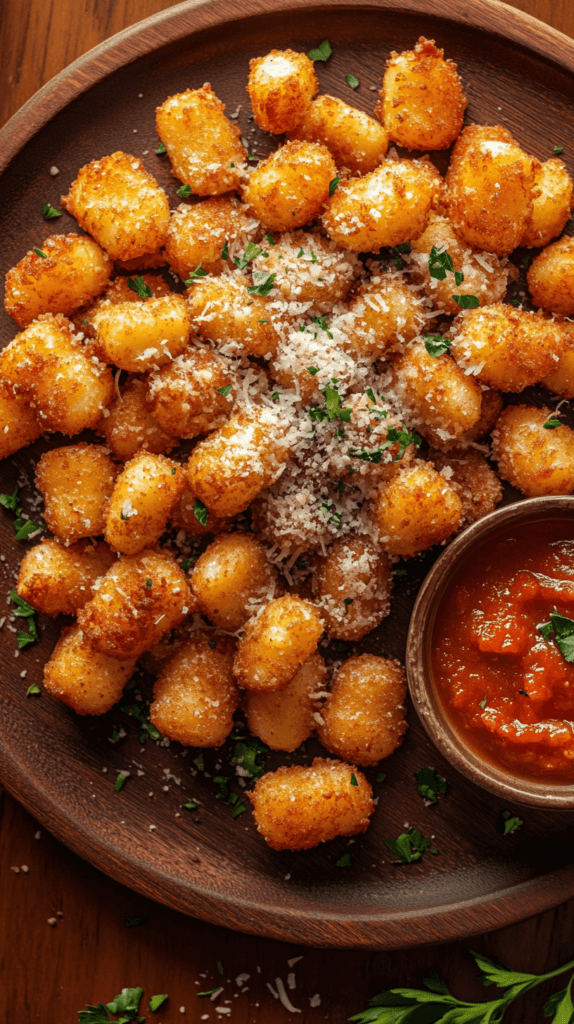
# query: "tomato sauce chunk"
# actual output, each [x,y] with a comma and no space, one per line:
[503,650]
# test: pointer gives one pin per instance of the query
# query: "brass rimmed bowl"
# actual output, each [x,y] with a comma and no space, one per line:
[423,689]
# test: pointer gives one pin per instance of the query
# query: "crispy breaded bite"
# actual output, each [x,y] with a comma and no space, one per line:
[384,315]
[310,358]
[288,189]
[297,808]
[293,513]
[389,206]
[184,516]
[355,141]
[197,234]
[88,682]
[203,145]
[47,362]
[309,268]
[75,483]
[437,397]
[485,275]
[414,510]
[140,599]
[195,694]
[232,579]
[364,718]
[490,409]
[235,463]
[281,86]
[276,643]
[58,580]
[19,424]
[141,336]
[193,394]
[422,102]
[371,451]
[72,272]
[551,203]
[285,719]
[490,181]
[476,484]
[551,277]
[121,205]
[128,425]
[534,458]
[120,289]
[561,380]
[506,348]
[351,587]
[141,502]
[223,311]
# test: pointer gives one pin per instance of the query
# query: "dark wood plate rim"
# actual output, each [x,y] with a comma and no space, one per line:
[387,929]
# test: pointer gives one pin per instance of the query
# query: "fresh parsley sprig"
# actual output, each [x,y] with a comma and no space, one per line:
[333,408]
[198,272]
[138,285]
[23,528]
[435,1005]
[410,846]
[403,437]
[321,52]
[436,344]
[140,712]
[49,213]
[262,283]
[430,785]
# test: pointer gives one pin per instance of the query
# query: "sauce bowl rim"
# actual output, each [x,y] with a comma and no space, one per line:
[450,743]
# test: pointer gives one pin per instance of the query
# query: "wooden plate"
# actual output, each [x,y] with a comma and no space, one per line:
[518,73]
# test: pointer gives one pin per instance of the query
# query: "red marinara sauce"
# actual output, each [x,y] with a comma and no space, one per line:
[507,690]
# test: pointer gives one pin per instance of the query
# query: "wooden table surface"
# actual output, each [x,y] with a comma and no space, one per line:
[49,971]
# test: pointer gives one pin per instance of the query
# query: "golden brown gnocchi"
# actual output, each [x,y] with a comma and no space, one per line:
[351,587]
[197,234]
[128,425]
[551,203]
[284,719]
[281,86]
[551,277]
[76,483]
[288,189]
[141,502]
[414,510]
[86,680]
[355,140]
[58,580]
[275,644]
[140,336]
[233,579]
[536,459]
[193,394]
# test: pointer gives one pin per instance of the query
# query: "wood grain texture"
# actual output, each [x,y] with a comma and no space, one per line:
[48,974]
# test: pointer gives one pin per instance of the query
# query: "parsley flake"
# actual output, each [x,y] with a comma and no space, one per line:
[49,213]
[121,779]
[333,408]
[312,370]
[263,283]
[138,285]
[156,1001]
[9,501]
[398,251]
[436,345]
[199,763]
[410,846]
[127,1002]
[354,779]
[25,528]
[552,423]
[200,512]
[270,238]
[440,261]
[33,691]
[321,52]
[184,192]
[466,301]
[333,185]
[250,755]
[275,396]
[510,823]
[23,609]
[40,253]
[198,272]
[558,150]
[321,322]
[190,806]
[147,584]
[458,278]
[161,150]
[219,966]
[353,81]
[344,861]
[210,992]
[429,784]
[225,250]
[225,390]
[381,776]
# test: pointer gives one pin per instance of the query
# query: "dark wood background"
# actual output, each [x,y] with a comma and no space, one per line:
[49,971]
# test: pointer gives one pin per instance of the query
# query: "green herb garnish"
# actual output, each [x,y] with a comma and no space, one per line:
[552,423]
[333,185]
[563,630]
[430,785]
[354,779]
[251,252]
[184,191]
[333,408]
[49,213]
[466,301]
[200,512]
[440,261]
[225,391]
[40,253]
[344,861]
[33,691]
[410,846]
[353,81]
[511,823]
[138,285]
[161,150]
[321,52]
[558,150]
[263,283]
[198,272]
[121,779]
[436,345]
[156,1001]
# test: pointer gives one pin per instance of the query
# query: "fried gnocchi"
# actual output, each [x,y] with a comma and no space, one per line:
[422,102]
[193,394]
[281,86]
[276,642]
[195,694]
[384,315]
[364,717]
[19,424]
[86,680]
[284,719]
[144,335]
[140,504]
[476,484]
[296,808]
[351,588]
[128,425]
[551,203]
[414,510]
[288,189]
[355,140]
[58,580]
[197,234]
[551,278]
[72,271]
[536,459]
[223,311]
[75,482]
[233,579]
[309,268]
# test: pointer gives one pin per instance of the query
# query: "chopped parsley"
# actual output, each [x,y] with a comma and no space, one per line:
[121,779]
[321,52]
[184,192]
[510,823]
[563,630]
[40,253]
[353,81]
[138,285]
[10,501]
[381,776]
[135,922]
[250,755]
[263,283]
[190,806]
[212,644]
[225,250]
[430,785]
[466,301]
[199,762]
[482,703]
[25,611]
[440,261]
[200,512]
[140,712]
[210,992]
[33,691]
[410,846]
[403,437]
[219,966]
[225,390]
[147,584]
[347,601]
[161,150]
[156,1001]
[321,322]
[332,516]
[333,408]
[526,262]
[552,423]
[49,213]
[354,779]
[558,150]
[436,345]
[198,272]
[458,278]
[397,253]
[251,252]
[127,1003]
[333,185]
[275,396]
[312,370]
[270,238]
[344,861]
